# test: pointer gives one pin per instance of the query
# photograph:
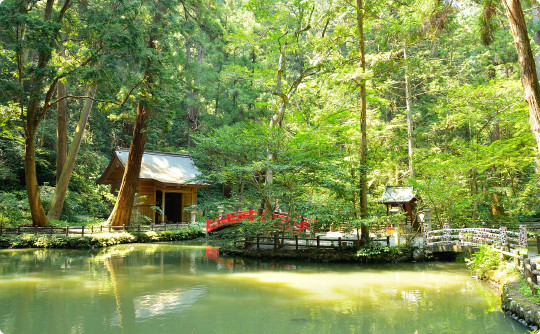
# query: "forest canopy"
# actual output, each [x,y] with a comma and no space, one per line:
[310,107]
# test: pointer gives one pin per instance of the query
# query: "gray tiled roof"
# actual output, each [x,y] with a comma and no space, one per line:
[164,167]
[398,194]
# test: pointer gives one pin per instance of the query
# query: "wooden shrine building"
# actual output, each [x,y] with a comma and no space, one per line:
[165,181]
[398,198]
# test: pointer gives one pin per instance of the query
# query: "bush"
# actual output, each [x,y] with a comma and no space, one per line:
[484,260]
[95,241]
[14,208]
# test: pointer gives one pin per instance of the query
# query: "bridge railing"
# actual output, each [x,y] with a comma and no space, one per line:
[299,224]
[475,237]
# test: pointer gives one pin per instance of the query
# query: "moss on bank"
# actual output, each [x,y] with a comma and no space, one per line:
[99,240]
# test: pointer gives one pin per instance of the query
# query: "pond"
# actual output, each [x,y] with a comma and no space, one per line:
[178,287]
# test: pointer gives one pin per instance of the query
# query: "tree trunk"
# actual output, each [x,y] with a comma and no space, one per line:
[526,64]
[120,216]
[193,93]
[536,33]
[61,130]
[363,123]
[63,182]
[36,208]
[410,138]
[34,115]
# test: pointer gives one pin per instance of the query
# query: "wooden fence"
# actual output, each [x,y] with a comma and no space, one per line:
[279,240]
[500,237]
[86,230]
[527,267]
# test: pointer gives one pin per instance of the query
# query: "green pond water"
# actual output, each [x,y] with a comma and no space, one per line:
[182,288]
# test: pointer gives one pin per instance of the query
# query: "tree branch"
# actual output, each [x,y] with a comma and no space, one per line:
[63,10]
[84,97]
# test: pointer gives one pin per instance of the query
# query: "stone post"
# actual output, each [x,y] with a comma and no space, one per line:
[220,209]
[425,233]
[503,236]
[446,234]
[523,236]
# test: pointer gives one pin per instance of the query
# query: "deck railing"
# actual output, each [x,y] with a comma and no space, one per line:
[85,230]
[279,240]
[475,237]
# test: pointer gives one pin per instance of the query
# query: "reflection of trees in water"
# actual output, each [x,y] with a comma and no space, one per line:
[116,289]
[125,308]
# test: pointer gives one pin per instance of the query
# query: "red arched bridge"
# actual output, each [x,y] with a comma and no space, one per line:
[283,220]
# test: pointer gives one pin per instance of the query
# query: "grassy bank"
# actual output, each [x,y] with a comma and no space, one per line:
[99,240]
[517,300]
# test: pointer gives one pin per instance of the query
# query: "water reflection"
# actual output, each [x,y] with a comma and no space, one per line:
[173,287]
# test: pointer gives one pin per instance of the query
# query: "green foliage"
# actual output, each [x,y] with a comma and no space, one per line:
[377,250]
[485,260]
[525,291]
[473,152]
[97,240]
[14,208]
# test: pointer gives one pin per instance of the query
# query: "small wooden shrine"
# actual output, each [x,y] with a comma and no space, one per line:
[398,198]
[165,181]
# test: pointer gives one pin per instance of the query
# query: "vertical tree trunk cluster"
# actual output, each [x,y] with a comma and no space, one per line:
[62,184]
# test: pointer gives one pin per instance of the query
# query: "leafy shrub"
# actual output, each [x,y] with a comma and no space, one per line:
[96,240]
[109,239]
[484,260]
[379,251]
[14,208]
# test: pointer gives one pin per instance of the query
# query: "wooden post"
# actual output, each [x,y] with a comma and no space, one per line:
[282,237]
[258,240]
[538,244]
[139,228]
[67,230]
[527,269]
[52,230]
[1,229]
[516,259]
[534,278]
[339,242]
[151,227]
[537,266]
[296,240]
[388,240]
[100,228]
[318,241]
[163,205]
[19,229]
[82,231]
[92,229]
[276,235]
[35,230]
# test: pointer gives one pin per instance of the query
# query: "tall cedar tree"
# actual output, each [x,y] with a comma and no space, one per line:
[360,14]
[526,64]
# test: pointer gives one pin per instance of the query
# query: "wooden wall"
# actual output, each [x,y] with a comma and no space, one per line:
[147,197]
